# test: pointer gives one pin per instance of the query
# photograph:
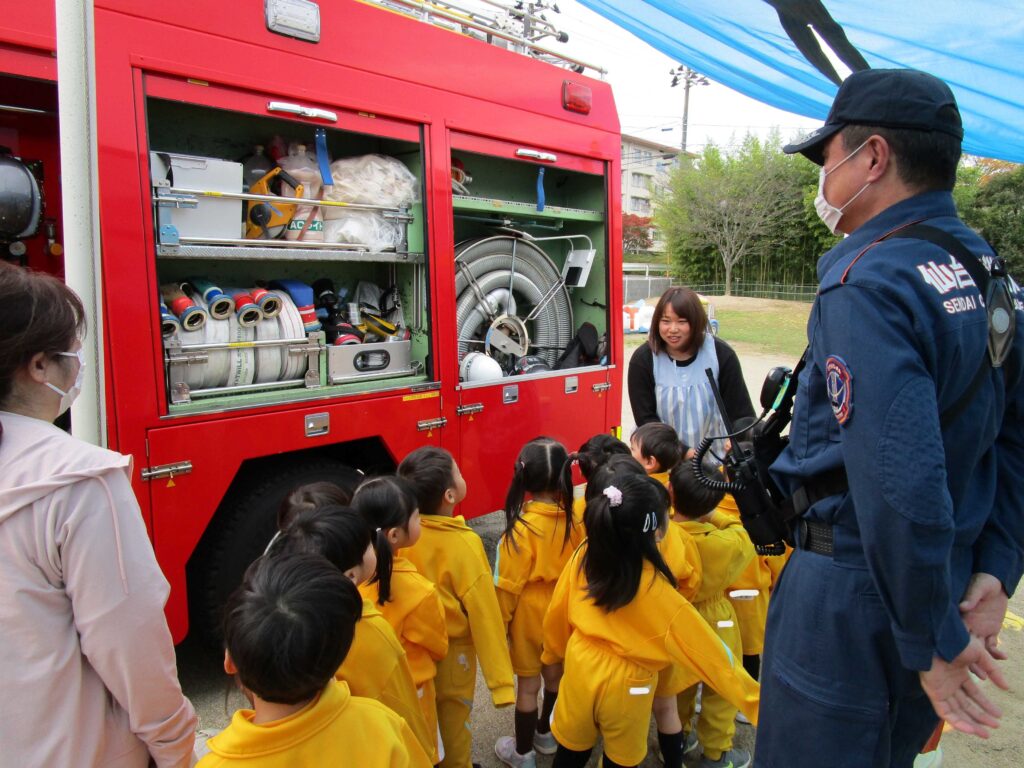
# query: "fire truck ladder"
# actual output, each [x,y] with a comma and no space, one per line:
[518,28]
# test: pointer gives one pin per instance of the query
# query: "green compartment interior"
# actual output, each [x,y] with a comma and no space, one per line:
[575,204]
[197,130]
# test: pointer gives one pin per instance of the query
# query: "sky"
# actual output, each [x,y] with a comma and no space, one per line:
[648,106]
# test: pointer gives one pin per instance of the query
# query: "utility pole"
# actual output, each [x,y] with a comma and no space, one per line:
[688,77]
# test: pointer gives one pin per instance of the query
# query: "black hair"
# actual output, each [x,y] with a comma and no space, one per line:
[622,522]
[539,468]
[289,626]
[686,303]
[41,314]
[310,496]
[925,160]
[602,476]
[384,503]
[595,451]
[431,471]
[690,497]
[659,441]
[338,534]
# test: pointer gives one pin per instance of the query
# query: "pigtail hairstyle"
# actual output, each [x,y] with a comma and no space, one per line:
[338,534]
[289,626]
[310,496]
[431,472]
[385,503]
[602,476]
[690,497]
[538,470]
[659,441]
[622,522]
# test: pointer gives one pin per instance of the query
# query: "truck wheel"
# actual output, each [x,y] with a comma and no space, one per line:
[240,532]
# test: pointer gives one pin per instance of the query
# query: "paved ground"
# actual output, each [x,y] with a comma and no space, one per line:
[215,698]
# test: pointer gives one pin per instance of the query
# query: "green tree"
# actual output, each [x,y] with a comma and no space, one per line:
[996,210]
[737,209]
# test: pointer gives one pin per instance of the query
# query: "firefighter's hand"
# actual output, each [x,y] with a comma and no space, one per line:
[983,609]
[956,697]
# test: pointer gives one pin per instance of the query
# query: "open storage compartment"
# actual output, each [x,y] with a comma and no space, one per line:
[531,260]
[278,286]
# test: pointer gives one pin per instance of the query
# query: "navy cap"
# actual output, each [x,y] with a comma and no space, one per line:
[887,98]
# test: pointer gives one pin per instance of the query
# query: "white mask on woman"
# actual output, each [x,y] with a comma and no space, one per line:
[827,212]
[67,398]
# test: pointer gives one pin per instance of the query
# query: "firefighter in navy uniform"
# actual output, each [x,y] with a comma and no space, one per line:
[906,447]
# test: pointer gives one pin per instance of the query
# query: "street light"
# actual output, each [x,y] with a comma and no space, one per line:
[688,77]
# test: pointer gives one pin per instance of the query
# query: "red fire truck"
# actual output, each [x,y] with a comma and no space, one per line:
[330,233]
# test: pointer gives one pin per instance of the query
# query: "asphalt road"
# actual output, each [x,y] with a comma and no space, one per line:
[215,697]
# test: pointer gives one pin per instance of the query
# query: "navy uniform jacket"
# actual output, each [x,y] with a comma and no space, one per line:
[896,336]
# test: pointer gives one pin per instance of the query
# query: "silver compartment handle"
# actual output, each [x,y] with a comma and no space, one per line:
[533,154]
[298,109]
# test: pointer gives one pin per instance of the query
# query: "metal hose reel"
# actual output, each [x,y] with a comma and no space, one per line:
[511,300]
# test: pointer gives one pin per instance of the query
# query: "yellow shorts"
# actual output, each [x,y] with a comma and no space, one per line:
[527,627]
[603,695]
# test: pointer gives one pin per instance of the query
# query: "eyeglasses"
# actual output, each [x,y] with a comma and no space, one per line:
[80,354]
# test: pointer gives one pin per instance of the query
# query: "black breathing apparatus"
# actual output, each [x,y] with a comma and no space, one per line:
[747,461]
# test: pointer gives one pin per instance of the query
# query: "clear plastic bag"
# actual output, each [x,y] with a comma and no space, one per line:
[361,228]
[372,180]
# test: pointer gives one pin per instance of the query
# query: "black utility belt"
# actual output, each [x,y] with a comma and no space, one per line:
[814,536]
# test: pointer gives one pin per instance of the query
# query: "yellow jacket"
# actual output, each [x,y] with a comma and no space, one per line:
[536,556]
[752,613]
[682,558]
[725,550]
[376,668]
[452,556]
[658,628]
[416,614]
[336,728]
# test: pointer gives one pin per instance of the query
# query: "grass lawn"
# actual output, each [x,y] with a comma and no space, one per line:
[761,325]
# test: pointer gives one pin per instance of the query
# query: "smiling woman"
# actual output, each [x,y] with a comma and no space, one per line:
[667,379]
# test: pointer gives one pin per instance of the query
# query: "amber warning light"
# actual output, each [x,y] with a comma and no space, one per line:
[576,97]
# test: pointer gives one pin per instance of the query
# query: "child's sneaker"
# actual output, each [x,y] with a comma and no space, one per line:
[741,718]
[691,744]
[734,758]
[505,749]
[545,743]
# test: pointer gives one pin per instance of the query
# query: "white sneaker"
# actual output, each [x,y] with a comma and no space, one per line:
[741,718]
[505,749]
[545,743]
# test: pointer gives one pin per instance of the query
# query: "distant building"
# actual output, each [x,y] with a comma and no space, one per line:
[645,168]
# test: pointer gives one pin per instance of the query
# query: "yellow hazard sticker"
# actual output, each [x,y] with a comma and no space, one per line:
[421,396]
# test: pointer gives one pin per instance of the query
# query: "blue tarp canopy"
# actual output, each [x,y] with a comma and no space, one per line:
[765,49]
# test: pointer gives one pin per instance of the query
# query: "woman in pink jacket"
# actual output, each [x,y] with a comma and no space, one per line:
[86,658]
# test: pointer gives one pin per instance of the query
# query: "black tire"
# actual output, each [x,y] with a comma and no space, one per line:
[240,532]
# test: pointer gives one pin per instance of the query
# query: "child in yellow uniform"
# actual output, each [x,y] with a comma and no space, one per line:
[657,448]
[749,595]
[617,620]
[406,598]
[287,630]
[452,556]
[376,666]
[725,550]
[540,535]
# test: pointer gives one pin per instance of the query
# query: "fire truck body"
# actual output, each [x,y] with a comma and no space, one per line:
[489,270]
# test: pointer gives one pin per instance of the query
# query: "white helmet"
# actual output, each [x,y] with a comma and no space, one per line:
[476,366]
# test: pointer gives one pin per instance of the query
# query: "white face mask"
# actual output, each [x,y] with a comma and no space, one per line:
[827,212]
[67,398]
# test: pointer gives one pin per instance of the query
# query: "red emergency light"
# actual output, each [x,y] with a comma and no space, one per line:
[576,97]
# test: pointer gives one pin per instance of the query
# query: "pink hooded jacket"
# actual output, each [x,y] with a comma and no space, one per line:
[87,667]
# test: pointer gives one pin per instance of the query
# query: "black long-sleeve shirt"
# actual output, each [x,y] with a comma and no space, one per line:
[640,383]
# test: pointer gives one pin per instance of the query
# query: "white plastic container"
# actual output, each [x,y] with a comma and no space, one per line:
[212,217]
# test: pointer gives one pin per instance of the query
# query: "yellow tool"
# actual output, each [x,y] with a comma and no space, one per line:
[266,220]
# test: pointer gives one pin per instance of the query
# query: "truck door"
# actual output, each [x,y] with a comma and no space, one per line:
[531,283]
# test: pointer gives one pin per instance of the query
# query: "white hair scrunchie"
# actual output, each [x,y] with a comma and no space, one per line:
[614,496]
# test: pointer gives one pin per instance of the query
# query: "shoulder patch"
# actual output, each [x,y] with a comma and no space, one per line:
[839,383]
